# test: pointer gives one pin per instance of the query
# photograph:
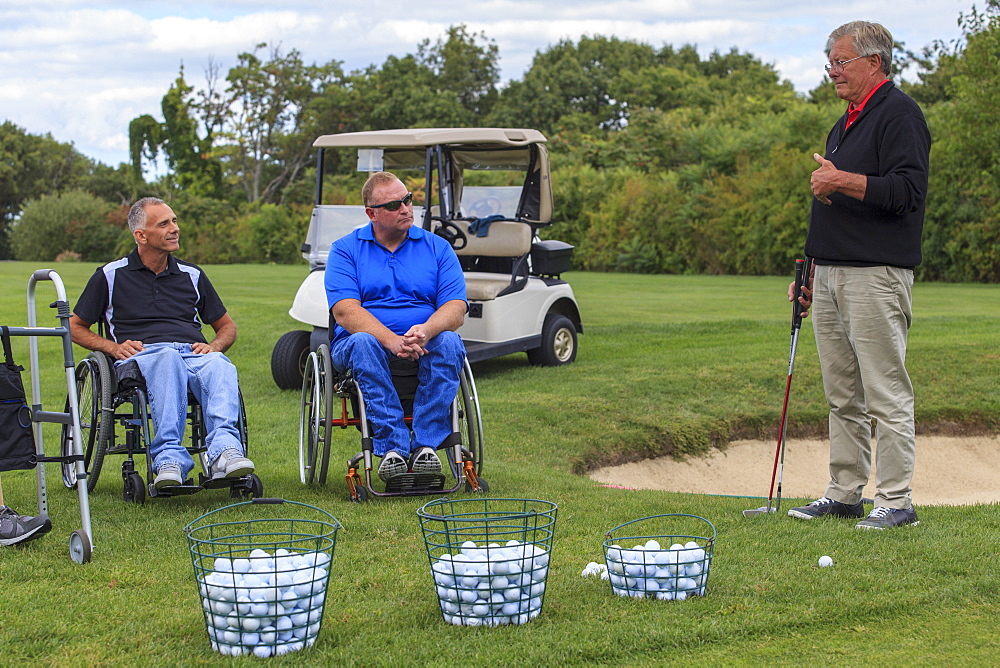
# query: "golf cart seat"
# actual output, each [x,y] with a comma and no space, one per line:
[495,264]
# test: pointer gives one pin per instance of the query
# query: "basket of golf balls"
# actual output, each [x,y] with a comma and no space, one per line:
[666,557]
[489,558]
[262,581]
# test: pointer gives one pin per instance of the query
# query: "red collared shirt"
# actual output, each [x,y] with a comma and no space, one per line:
[853,112]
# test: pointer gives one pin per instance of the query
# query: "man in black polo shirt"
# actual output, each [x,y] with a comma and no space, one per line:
[154,305]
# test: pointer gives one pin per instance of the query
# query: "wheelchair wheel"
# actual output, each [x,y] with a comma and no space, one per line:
[360,495]
[135,489]
[314,425]
[93,392]
[470,418]
[250,487]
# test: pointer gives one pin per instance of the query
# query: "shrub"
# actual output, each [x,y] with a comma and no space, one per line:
[51,225]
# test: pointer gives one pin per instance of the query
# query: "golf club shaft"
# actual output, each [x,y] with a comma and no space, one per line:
[784,415]
[801,278]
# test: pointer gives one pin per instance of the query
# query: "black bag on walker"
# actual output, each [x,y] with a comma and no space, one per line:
[17,444]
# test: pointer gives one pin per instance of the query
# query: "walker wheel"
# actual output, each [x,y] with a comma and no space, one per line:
[79,547]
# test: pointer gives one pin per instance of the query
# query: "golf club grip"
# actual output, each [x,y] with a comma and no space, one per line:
[801,278]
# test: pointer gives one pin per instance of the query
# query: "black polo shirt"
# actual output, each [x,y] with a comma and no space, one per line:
[147,307]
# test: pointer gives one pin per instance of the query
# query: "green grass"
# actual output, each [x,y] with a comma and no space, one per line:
[667,364]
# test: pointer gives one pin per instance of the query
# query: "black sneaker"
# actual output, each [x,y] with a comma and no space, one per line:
[826,506]
[16,528]
[886,518]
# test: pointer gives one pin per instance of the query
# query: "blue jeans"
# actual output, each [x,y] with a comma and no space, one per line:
[438,376]
[170,370]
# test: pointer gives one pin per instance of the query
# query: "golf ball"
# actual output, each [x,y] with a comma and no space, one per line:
[825,561]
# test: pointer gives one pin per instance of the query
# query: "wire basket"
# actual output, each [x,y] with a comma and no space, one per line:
[262,582]
[670,563]
[489,558]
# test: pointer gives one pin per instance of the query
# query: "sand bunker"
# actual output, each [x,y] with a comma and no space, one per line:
[949,471]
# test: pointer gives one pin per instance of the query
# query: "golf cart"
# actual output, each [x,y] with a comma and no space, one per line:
[517,300]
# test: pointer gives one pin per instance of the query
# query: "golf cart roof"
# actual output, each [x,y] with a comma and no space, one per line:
[422,137]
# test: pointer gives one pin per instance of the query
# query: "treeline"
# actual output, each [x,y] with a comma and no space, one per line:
[663,161]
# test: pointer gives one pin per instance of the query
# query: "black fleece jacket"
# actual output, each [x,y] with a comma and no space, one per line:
[890,144]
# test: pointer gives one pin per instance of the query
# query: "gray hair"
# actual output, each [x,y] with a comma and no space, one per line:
[869,39]
[137,214]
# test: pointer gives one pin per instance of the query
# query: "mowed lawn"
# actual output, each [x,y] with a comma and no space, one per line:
[667,365]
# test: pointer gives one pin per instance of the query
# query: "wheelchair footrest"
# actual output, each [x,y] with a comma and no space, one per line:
[220,483]
[415,483]
[174,490]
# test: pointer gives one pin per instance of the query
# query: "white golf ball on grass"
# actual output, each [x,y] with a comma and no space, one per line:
[825,561]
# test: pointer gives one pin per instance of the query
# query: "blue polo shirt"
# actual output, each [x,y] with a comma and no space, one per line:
[400,289]
[153,308]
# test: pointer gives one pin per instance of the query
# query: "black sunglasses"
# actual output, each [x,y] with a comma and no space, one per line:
[395,204]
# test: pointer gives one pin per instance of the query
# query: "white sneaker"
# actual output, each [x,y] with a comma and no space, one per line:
[392,465]
[425,460]
[231,464]
[168,475]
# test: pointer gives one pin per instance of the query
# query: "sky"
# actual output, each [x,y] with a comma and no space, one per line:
[81,70]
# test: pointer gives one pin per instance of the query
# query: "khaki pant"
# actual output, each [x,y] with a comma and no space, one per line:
[860,318]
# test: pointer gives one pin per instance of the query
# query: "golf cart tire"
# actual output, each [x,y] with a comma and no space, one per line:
[558,342]
[288,359]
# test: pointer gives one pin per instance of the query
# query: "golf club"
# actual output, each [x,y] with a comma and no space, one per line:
[802,270]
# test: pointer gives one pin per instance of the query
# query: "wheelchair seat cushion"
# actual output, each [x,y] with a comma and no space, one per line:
[128,376]
[404,376]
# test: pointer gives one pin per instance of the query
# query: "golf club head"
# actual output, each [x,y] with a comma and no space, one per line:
[763,510]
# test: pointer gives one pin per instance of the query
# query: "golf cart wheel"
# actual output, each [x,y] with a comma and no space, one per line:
[288,359]
[79,547]
[135,489]
[558,342]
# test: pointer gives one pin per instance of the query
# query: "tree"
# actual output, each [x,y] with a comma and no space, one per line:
[188,151]
[962,229]
[269,133]
[32,166]
[464,68]
[573,78]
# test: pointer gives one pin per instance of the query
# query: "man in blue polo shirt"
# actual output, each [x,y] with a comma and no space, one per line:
[154,306]
[397,291]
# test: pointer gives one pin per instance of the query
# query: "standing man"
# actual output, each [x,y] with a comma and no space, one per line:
[397,291]
[864,239]
[154,306]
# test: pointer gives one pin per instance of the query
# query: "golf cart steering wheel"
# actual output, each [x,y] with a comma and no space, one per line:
[451,233]
[486,206]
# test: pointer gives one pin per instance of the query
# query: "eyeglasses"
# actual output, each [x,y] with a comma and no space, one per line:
[838,66]
[394,204]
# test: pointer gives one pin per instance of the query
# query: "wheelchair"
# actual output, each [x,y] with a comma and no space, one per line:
[325,390]
[111,396]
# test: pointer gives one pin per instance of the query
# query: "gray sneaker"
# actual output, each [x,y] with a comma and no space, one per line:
[825,506]
[392,465]
[16,528]
[425,460]
[168,475]
[886,518]
[231,464]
